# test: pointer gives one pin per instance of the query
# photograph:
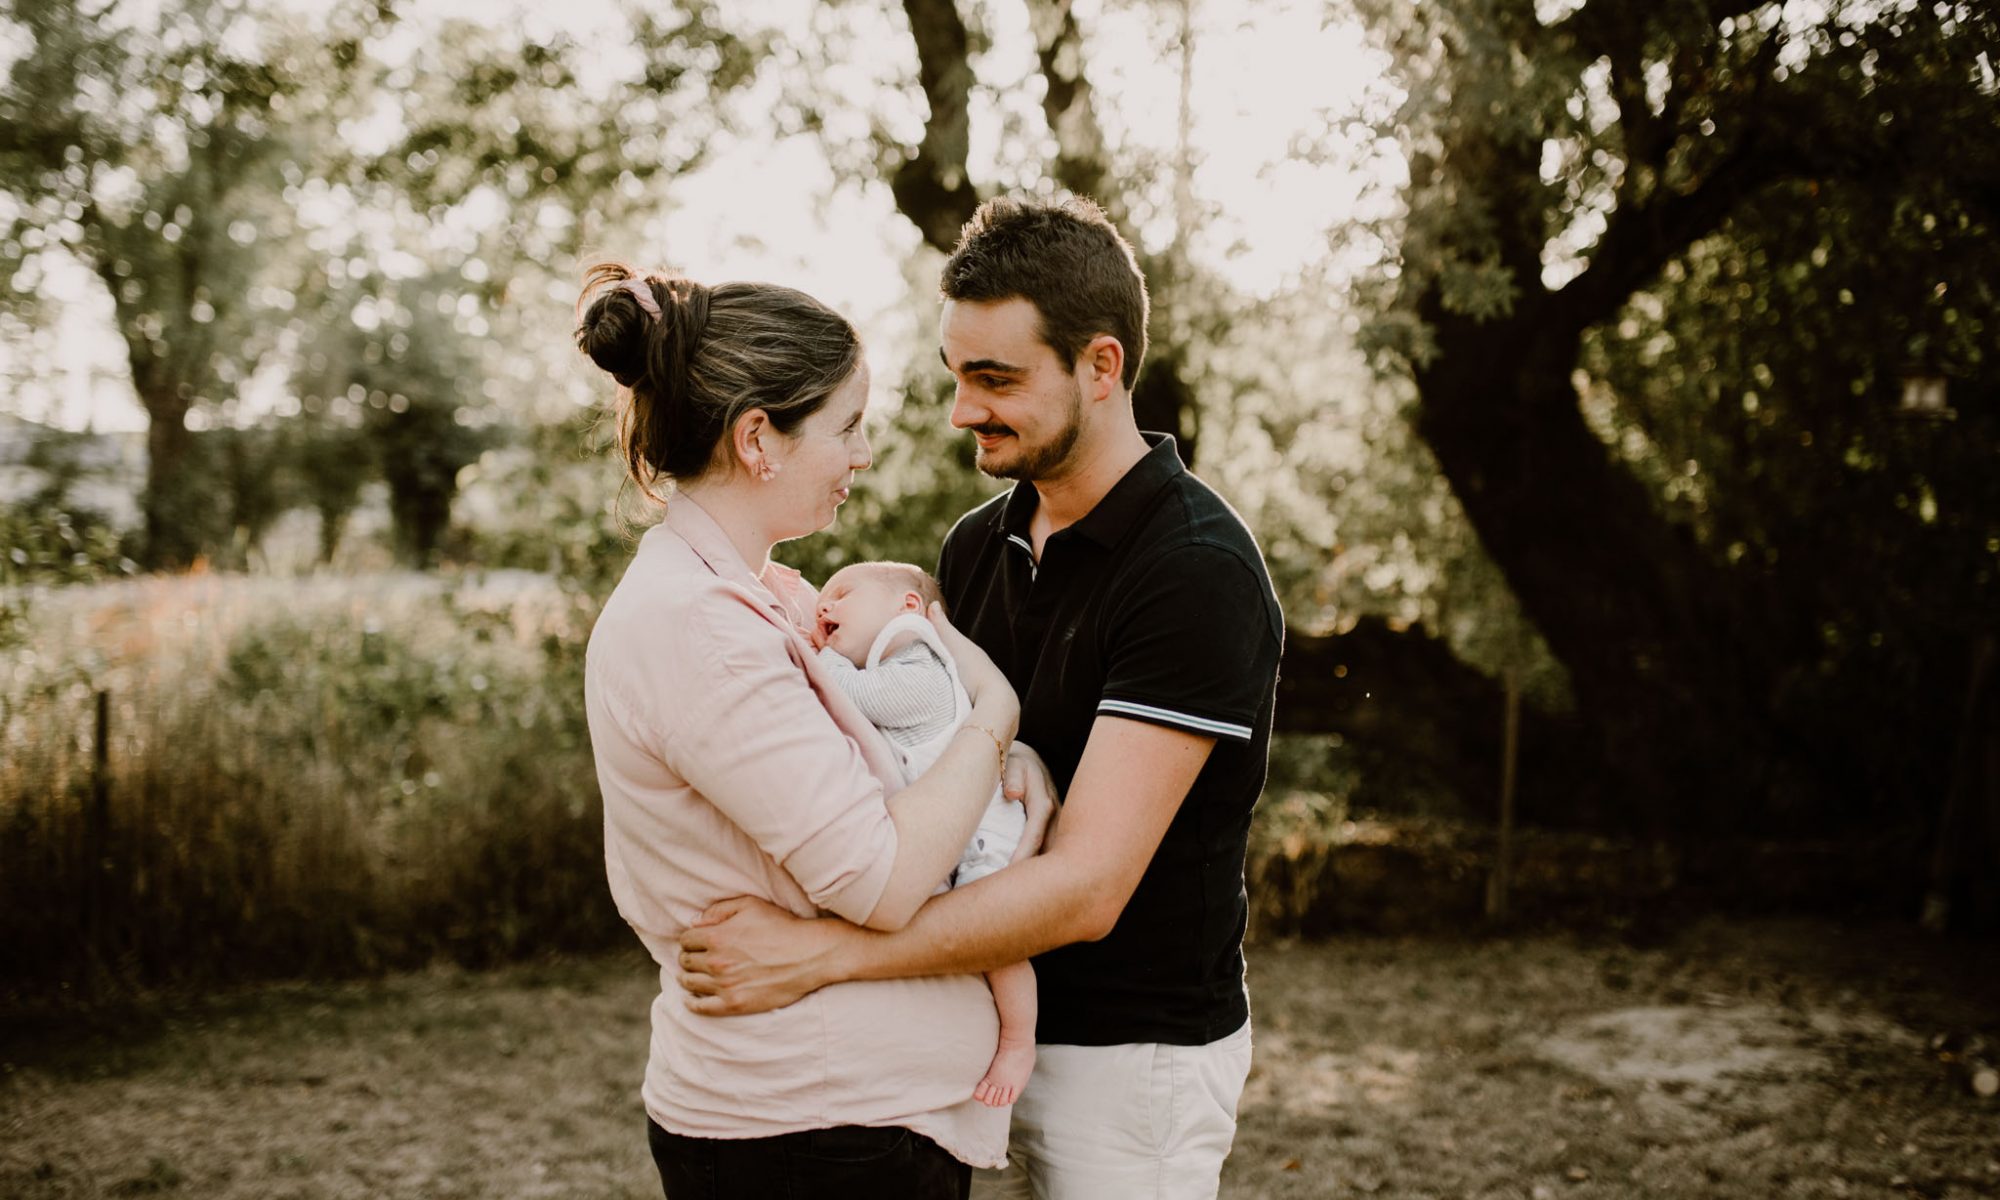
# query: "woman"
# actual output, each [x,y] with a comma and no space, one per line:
[731,766]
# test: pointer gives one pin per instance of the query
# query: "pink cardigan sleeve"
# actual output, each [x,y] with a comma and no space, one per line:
[748,732]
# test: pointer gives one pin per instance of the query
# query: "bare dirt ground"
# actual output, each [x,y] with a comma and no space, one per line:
[1732,1060]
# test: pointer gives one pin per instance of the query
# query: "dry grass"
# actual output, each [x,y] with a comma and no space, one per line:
[1735,1061]
[300,779]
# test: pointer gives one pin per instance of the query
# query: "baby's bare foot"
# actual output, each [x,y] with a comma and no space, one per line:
[1007,1075]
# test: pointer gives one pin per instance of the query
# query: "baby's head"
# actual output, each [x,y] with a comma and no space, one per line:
[863,597]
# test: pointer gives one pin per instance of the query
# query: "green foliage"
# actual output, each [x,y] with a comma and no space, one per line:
[1759,387]
[1734,233]
[58,546]
[250,470]
[422,445]
[390,378]
[1351,510]
[50,539]
[573,139]
[552,502]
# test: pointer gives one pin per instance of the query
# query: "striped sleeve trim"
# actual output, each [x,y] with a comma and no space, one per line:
[1180,720]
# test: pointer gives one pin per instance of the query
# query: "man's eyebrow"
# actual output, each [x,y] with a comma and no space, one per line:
[986,365]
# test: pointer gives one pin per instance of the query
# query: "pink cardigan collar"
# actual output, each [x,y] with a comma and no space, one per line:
[790,598]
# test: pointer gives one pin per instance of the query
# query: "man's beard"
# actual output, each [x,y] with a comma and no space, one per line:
[1038,462]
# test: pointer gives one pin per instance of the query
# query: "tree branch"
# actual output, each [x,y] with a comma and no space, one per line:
[1600,24]
[1640,240]
[1081,163]
[931,186]
[1788,131]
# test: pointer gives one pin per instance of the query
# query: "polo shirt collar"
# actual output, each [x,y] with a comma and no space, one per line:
[780,588]
[1128,500]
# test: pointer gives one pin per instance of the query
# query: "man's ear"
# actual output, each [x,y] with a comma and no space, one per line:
[1104,360]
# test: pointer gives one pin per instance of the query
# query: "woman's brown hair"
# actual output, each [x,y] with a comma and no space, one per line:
[690,360]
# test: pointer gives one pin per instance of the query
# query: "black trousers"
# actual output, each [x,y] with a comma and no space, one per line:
[847,1162]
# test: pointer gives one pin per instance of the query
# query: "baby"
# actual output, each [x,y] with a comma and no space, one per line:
[883,652]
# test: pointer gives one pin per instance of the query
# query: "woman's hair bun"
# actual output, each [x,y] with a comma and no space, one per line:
[612,327]
[686,379]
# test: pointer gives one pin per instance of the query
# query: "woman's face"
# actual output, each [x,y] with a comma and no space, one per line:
[816,464]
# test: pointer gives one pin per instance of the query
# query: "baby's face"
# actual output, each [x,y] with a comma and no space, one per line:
[854,606]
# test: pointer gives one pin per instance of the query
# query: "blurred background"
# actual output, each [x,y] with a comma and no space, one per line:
[1611,384]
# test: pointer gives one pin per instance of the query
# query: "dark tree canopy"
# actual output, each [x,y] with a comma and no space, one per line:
[1661,274]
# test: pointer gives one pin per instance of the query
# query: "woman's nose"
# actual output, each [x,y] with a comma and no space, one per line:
[864,455]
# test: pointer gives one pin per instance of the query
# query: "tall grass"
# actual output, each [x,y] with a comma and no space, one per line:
[316,777]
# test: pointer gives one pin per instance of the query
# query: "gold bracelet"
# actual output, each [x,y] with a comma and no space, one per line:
[998,745]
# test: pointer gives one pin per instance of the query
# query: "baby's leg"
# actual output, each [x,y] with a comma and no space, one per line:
[1014,995]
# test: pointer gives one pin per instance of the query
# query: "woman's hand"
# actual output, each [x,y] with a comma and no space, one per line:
[984,681]
[1027,780]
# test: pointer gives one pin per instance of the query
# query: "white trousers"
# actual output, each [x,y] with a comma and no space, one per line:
[1136,1122]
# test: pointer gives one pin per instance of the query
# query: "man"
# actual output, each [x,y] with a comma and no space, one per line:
[1133,613]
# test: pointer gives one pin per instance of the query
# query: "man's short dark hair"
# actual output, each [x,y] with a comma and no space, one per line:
[1065,258]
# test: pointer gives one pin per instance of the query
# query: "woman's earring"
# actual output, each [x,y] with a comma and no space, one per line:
[766,469]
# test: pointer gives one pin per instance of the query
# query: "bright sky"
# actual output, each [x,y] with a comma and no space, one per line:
[775,212]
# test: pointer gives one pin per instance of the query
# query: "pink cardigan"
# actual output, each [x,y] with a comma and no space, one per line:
[732,766]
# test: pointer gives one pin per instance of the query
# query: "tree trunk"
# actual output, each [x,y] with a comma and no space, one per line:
[332,524]
[177,512]
[931,186]
[1656,658]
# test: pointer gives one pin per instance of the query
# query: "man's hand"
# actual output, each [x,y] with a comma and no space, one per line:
[1027,780]
[748,956]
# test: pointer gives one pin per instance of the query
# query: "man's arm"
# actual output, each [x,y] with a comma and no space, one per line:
[1129,784]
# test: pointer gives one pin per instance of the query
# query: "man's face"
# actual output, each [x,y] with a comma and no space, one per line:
[1021,402]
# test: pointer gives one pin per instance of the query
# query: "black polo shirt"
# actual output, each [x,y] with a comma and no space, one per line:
[1155,607]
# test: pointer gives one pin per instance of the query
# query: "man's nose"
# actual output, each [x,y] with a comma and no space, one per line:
[965,412]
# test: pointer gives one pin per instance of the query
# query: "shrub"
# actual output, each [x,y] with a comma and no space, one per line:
[299,779]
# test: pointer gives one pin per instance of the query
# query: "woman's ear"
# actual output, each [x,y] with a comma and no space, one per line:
[750,438]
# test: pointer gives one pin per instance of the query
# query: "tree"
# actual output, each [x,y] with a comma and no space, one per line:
[388,387]
[1584,184]
[531,146]
[151,147]
[172,149]
[252,484]
[328,458]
